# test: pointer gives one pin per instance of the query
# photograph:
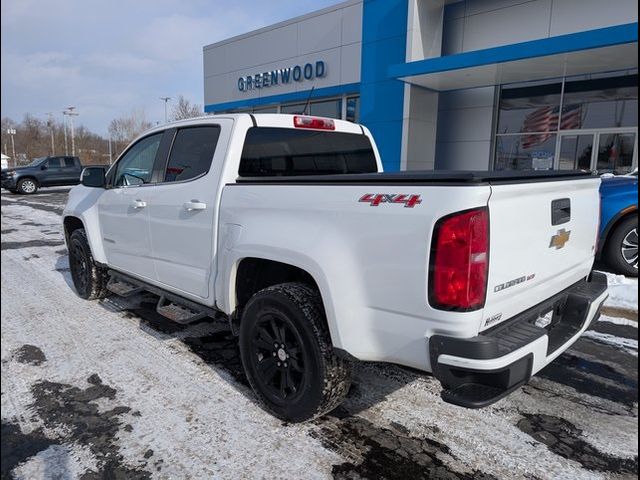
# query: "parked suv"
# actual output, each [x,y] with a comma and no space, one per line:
[42,172]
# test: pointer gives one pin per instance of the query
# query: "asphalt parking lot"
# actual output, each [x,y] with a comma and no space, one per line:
[110,390]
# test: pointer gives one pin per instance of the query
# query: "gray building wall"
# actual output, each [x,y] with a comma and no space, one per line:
[333,35]
[465,129]
[476,24]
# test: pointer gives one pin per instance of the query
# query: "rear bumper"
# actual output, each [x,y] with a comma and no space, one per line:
[476,372]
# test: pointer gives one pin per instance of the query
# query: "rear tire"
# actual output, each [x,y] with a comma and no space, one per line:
[621,250]
[27,186]
[89,279]
[287,353]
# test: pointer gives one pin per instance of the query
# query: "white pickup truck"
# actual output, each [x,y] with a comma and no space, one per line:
[286,226]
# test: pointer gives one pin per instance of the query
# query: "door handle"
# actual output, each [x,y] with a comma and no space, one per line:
[138,204]
[194,205]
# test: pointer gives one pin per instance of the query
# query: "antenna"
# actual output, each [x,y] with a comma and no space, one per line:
[306,105]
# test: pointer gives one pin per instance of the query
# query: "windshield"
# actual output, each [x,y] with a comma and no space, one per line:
[37,161]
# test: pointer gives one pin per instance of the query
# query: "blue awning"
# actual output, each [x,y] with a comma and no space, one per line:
[602,50]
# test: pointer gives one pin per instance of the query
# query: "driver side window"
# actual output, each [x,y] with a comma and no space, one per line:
[136,167]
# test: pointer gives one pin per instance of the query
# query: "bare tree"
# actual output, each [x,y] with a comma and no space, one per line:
[125,129]
[185,109]
[33,139]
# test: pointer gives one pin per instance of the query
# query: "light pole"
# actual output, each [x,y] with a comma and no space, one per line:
[66,143]
[11,132]
[165,100]
[50,124]
[70,113]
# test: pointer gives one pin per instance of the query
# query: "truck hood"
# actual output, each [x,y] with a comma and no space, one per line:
[18,170]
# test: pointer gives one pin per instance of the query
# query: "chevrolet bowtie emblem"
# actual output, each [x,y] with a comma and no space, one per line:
[560,239]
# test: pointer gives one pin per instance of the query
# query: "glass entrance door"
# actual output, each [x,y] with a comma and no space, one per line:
[617,152]
[613,150]
[575,151]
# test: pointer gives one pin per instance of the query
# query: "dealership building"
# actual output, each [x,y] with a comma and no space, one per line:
[456,85]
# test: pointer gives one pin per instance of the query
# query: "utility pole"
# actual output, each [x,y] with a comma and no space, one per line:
[165,100]
[110,152]
[11,132]
[70,113]
[66,143]
[50,123]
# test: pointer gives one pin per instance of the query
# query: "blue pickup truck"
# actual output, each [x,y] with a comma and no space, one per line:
[618,245]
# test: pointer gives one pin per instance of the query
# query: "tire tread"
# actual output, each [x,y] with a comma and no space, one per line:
[337,370]
[99,276]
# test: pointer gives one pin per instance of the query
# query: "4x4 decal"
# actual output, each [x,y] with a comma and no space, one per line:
[375,199]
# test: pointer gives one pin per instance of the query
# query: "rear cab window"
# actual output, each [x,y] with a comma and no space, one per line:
[273,151]
[192,153]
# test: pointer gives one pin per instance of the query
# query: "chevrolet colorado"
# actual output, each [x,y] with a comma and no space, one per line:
[286,226]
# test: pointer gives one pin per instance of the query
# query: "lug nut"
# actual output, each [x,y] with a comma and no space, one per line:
[279,364]
[274,354]
[285,364]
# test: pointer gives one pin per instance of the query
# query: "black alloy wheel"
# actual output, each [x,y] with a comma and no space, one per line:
[278,355]
[287,353]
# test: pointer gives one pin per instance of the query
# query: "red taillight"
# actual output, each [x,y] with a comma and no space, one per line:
[314,122]
[460,261]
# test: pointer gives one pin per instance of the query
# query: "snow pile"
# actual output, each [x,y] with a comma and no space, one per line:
[623,292]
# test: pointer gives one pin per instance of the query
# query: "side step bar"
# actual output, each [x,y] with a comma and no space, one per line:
[178,313]
[122,288]
[171,306]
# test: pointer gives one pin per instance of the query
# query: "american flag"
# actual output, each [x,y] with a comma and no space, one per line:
[544,121]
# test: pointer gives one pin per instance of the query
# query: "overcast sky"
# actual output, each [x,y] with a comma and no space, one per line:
[107,57]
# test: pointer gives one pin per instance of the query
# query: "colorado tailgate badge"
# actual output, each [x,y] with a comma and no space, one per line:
[375,199]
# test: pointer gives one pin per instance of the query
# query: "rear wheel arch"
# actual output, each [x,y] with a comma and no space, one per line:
[621,249]
[71,224]
[254,274]
[613,224]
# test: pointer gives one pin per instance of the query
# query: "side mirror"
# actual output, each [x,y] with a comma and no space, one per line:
[93,177]
[43,167]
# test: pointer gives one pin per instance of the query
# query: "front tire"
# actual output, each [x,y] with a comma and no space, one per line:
[287,353]
[89,279]
[622,248]
[27,186]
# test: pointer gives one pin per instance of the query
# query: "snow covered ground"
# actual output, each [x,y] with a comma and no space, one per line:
[623,292]
[110,390]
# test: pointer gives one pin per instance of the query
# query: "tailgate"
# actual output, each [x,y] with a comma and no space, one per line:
[542,240]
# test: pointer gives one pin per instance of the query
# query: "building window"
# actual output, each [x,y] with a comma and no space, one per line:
[353,109]
[321,108]
[292,108]
[580,123]
[267,109]
[601,103]
[329,108]
[525,152]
